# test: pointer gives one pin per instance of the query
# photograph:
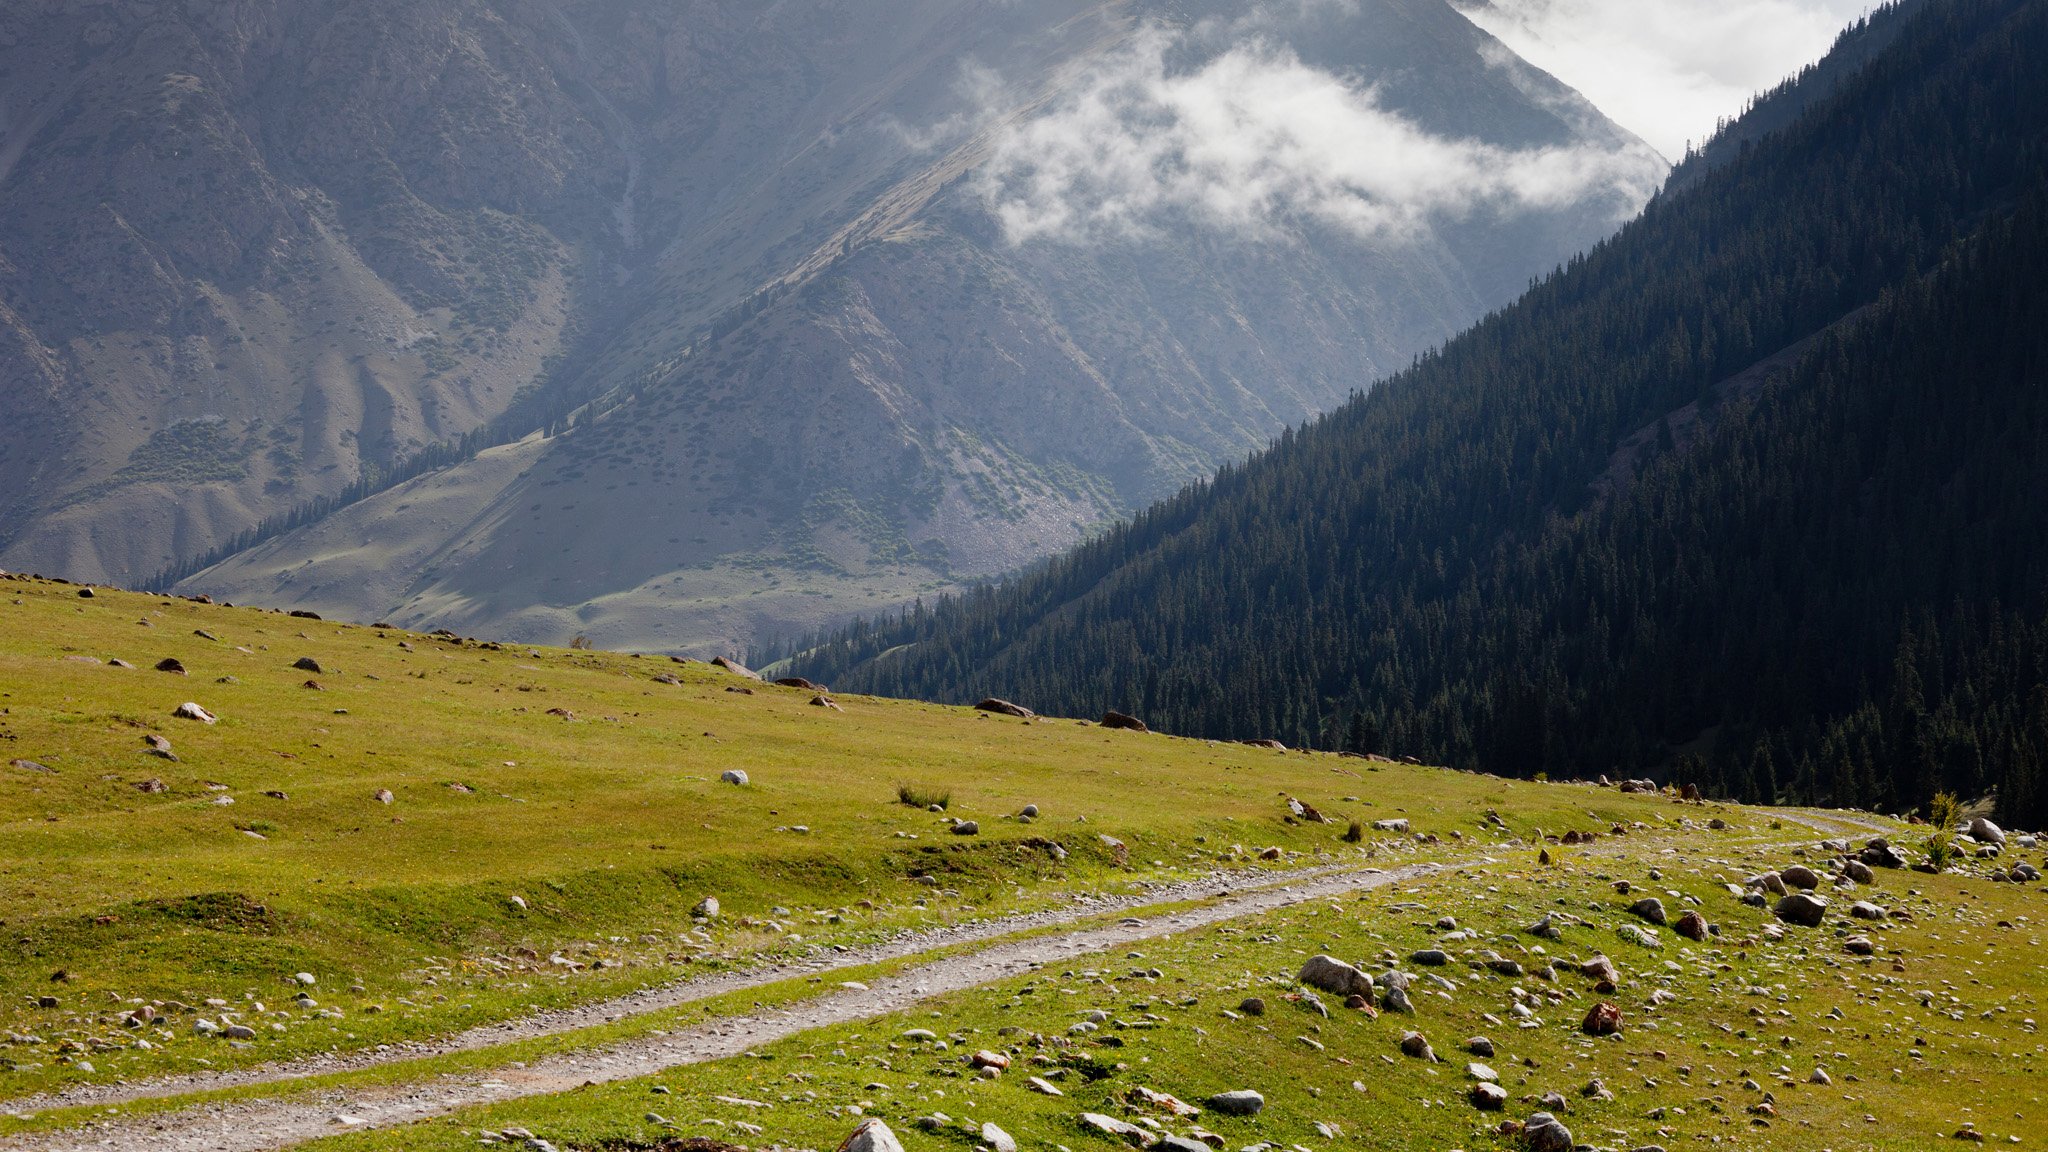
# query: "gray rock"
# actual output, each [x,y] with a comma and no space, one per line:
[1478,1071]
[1545,1134]
[1430,957]
[190,711]
[1111,1126]
[733,776]
[708,908]
[1029,811]
[1865,910]
[1396,825]
[1252,1006]
[1802,908]
[1243,1102]
[1480,1046]
[1648,908]
[1488,1096]
[1333,975]
[872,1136]
[1800,876]
[997,1139]
[1985,832]
[1415,1044]
[1858,871]
[966,828]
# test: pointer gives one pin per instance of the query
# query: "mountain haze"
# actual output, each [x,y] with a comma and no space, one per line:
[730,324]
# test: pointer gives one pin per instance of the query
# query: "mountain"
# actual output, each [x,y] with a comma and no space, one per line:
[676,325]
[1748,495]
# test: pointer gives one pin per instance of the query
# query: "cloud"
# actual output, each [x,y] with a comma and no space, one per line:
[1254,141]
[1667,70]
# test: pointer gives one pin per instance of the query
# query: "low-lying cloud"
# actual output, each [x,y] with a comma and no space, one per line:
[1667,70]
[1254,141]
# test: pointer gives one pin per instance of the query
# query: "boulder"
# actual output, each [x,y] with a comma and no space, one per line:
[1985,832]
[1691,925]
[1602,1019]
[966,828]
[1395,825]
[1243,1102]
[1858,871]
[1865,910]
[1113,1127]
[1802,908]
[1005,708]
[739,669]
[1488,1096]
[1119,720]
[191,711]
[800,682]
[307,664]
[733,776]
[1648,908]
[1800,876]
[707,908]
[171,664]
[1543,1132]
[1335,976]
[1430,958]
[872,1136]
[997,1140]
[1415,1044]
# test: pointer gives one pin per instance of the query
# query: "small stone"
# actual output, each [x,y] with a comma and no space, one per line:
[1648,908]
[1602,1019]
[1415,1045]
[1252,1006]
[872,1136]
[1544,1133]
[1478,1071]
[1333,975]
[1488,1096]
[966,828]
[1480,1046]
[172,665]
[1691,925]
[733,776]
[707,908]
[191,711]
[1430,957]
[997,1139]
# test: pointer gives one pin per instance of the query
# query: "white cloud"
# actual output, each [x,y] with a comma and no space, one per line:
[1667,70]
[1254,140]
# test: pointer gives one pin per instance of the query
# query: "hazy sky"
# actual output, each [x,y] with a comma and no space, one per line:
[1667,69]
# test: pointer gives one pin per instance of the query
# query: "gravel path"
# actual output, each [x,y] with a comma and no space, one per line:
[260,1125]
[245,1127]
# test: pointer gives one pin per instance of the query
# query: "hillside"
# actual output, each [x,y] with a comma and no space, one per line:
[416,891]
[885,323]
[1744,495]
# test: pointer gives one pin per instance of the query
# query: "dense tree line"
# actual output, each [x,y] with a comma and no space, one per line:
[1751,494]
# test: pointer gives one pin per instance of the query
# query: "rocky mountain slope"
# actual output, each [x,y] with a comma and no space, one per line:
[813,309]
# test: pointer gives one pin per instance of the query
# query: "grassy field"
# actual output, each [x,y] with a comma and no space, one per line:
[444,833]
[1720,1041]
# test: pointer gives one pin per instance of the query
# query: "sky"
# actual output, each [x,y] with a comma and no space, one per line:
[1667,70]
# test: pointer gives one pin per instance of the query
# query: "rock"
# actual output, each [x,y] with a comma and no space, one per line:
[1270,745]
[302,614]
[1480,1046]
[1859,946]
[1005,708]
[1648,908]
[1543,1133]
[1118,850]
[1111,1126]
[733,776]
[238,1032]
[1028,812]
[1042,1087]
[32,766]
[1770,882]
[307,664]
[1985,832]
[1395,825]
[987,1059]
[1252,1006]
[1119,720]
[823,701]
[172,665]
[872,1136]
[1430,957]
[1603,1019]
[997,1139]
[1333,975]
[966,828]
[1488,1096]
[518,902]
[191,711]
[707,908]
[1243,1102]
[1546,928]
[1596,1089]
[1272,853]
[85,594]
[1858,871]
[1478,1071]
[1865,910]
[1416,1045]
[1802,908]
[1691,925]
[1800,876]
[739,669]
[152,786]
[1397,1001]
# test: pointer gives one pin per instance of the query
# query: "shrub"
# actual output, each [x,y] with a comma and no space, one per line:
[923,797]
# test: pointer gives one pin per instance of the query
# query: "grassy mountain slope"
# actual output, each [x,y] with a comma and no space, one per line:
[840,383]
[1744,484]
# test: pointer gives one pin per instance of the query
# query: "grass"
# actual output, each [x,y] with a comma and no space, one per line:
[925,798]
[554,818]
[1719,1046]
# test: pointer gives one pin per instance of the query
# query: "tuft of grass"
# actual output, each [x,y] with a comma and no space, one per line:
[1355,833]
[925,798]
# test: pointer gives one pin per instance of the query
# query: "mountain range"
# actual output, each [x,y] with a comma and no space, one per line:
[680,325]
[1747,495]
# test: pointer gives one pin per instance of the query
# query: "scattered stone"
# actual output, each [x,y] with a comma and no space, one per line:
[1648,908]
[707,908]
[1489,1097]
[307,664]
[1691,925]
[966,828]
[1119,720]
[1243,1102]
[872,1136]
[997,1139]
[1858,871]
[799,682]
[1430,957]
[172,665]
[1480,1046]
[1005,708]
[733,776]
[152,786]
[1865,910]
[191,711]
[1252,1006]
[1399,824]
[1042,1087]
[1985,832]
[1802,908]
[739,669]
[1416,1045]
[1859,946]
[1543,1132]
[1107,1125]
[1800,876]
[383,796]
[1603,1019]
[823,701]
[32,766]
[1335,976]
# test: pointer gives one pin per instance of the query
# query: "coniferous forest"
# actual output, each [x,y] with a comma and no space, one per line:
[1753,495]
